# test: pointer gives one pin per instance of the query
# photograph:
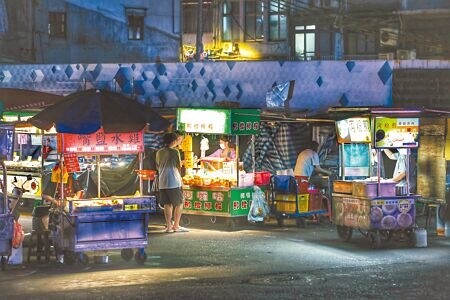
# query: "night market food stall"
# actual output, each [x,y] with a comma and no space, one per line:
[99,123]
[213,186]
[379,208]
[30,148]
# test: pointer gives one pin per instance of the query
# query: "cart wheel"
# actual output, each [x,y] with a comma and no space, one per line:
[70,257]
[231,224]
[127,254]
[300,222]
[185,221]
[280,221]
[140,257]
[344,233]
[83,258]
[4,260]
[213,219]
[375,239]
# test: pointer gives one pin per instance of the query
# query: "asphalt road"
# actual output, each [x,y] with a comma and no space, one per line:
[253,262]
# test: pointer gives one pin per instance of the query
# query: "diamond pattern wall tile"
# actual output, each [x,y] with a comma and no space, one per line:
[5,76]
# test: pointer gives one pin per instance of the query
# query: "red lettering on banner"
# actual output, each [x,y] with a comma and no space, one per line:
[101,142]
[235,205]
[197,205]
[244,204]
[218,206]
[187,204]
[207,205]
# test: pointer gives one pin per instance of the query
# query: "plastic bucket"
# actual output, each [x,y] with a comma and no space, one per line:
[262,178]
[421,238]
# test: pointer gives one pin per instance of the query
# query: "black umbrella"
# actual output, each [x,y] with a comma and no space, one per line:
[87,111]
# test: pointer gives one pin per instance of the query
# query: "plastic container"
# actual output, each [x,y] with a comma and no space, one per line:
[421,238]
[302,182]
[262,178]
[246,179]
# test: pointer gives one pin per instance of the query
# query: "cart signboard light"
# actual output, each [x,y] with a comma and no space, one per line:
[396,132]
[354,130]
[101,142]
[218,121]
[203,120]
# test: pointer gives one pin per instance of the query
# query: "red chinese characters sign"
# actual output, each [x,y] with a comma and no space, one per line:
[101,142]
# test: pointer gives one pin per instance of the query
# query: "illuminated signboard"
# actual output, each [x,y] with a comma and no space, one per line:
[218,121]
[396,132]
[354,130]
[101,142]
[203,120]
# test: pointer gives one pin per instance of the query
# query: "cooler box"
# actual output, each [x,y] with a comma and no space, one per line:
[369,189]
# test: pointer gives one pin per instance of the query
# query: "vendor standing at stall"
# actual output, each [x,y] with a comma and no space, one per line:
[399,174]
[168,164]
[226,149]
[308,162]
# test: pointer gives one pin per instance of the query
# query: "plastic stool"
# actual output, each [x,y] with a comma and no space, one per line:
[41,247]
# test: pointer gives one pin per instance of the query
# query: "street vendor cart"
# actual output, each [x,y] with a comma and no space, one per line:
[216,188]
[104,222]
[291,198]
[376,207]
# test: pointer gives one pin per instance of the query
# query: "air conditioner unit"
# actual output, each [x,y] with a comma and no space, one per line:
[388,36]
[386,56]
[406,54]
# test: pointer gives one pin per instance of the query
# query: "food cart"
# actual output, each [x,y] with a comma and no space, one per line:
[214,187]
[105,222]
[30,147]
[362,200]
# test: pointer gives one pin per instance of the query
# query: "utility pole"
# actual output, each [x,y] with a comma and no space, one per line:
[199,37]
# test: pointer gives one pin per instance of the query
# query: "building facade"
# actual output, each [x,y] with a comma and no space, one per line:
[318,29]
[77,31]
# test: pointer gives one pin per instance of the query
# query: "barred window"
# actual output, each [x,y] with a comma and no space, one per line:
[136,23]
[57,24]
[277,20]
[254,18]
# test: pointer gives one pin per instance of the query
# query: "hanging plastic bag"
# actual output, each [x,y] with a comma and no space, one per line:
[155,186]
[259,208]
[19,235]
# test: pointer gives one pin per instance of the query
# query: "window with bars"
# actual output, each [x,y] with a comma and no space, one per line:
[277,20]
[227,21]
[136,23]
[57,24]
[305,42]
[254,17]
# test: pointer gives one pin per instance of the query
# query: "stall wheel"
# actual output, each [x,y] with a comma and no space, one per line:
[140,256]
[4,262]
[127,254]
[375,240]
[231,224]
[300,222]
[70,257]
[280,221]
[344,233]
[83,258]
[185,221]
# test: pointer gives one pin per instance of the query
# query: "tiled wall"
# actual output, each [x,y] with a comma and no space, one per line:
[318,84]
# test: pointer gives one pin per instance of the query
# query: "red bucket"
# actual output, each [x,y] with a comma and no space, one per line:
[262,178]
